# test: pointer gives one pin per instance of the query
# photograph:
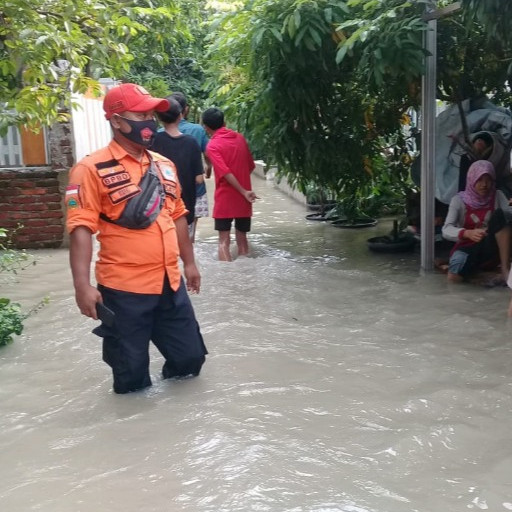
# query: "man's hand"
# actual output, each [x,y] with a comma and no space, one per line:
[192,277]
[250,196]
[86,299]
[475,235]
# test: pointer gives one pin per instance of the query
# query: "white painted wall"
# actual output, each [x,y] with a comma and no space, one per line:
[90,128]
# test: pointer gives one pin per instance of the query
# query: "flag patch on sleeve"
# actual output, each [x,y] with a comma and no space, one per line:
[72,196]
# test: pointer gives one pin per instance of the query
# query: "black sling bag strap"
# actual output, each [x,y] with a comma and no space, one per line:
[143,209]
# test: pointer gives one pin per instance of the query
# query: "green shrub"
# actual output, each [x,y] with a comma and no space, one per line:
[11,259]
[11,315]
[11,321]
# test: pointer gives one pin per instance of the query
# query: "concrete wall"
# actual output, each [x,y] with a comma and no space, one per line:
[62,158]
[280,183]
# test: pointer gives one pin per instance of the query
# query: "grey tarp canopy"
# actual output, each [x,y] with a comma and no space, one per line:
[481,116]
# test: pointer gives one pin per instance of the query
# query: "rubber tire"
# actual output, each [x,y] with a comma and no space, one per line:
[387,244]
[354,223]
[317,207]
[320,217]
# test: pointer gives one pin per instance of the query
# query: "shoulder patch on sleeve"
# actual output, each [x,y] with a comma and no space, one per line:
[72,196]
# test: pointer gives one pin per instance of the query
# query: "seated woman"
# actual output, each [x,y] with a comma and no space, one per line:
[478,221]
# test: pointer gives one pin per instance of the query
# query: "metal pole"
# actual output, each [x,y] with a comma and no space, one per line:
[428,111]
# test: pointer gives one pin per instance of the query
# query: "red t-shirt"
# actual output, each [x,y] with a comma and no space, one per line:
[229,153]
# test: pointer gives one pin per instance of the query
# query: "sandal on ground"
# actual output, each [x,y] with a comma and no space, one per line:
[495,281]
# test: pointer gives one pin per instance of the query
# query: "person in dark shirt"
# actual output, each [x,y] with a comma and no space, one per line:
[199,133]
[184,151]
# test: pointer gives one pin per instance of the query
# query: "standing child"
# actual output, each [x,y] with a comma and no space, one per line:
[232,166]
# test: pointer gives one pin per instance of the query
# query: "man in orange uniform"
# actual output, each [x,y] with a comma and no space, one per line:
[131,198]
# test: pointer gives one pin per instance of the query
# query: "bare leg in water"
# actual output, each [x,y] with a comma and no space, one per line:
[454,278]
[241,243]
[503,238]
[224,243]
[193,231]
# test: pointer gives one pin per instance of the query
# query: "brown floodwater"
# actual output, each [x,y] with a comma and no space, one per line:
[338,380]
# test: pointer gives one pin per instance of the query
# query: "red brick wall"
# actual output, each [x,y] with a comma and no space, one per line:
[32,199]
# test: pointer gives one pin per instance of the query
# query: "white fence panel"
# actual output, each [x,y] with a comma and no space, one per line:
[10,148]
[90,128]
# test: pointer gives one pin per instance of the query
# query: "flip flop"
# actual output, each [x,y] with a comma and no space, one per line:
[495,281]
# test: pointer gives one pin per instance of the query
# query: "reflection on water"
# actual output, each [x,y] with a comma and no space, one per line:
[337,380]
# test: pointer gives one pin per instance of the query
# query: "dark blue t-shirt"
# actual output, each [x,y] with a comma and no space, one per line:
[196,130]
[185,153]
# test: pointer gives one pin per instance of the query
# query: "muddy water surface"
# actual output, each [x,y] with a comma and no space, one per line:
[338,380]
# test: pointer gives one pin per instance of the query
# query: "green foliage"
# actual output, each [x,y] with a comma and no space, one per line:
[385,38]
[493,15]
[311,115]
[320,87]
[176,62]
[49,48]
[472,62]
[12,260]
[11,315]
[11,321]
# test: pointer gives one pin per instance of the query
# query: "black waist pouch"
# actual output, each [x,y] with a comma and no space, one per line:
[143,209]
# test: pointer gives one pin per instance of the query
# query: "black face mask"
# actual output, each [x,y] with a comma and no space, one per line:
[143,132]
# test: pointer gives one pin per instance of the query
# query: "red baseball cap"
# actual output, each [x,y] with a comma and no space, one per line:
[131,98]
